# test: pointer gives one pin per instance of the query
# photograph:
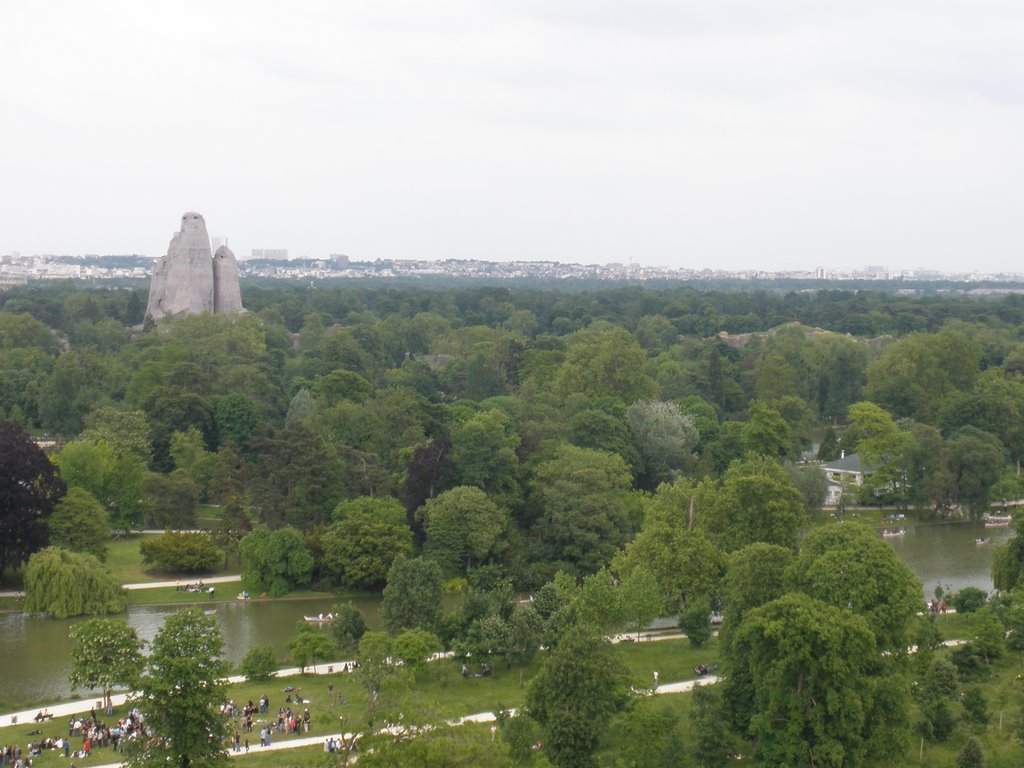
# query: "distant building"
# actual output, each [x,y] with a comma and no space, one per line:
[848,469]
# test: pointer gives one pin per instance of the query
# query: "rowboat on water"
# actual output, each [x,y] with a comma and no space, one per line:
[890,532]
[997,521]
[323,617]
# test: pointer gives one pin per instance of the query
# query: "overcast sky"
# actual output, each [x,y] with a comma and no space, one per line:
[721,133]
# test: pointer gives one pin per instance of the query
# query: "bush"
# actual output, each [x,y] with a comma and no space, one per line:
[259,663]
[181,552]
[695,621]
[969,599]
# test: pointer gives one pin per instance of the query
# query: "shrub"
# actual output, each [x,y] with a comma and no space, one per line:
[181,552]
[969,599]
[259,663]
[695,621]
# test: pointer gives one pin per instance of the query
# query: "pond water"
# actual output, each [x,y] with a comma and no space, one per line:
[947,554]
[35,652]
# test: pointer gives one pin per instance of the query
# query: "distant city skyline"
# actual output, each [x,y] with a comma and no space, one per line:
[736,135]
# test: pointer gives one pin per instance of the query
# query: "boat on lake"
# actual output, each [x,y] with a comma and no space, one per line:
[890,532]
[322,618]
[997,521]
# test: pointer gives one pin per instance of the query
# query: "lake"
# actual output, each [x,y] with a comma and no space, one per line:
[36,651]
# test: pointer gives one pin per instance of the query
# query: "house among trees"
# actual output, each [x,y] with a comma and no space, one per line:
[845,471]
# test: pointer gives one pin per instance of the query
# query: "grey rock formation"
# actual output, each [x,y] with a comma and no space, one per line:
[189,279]
[227,295]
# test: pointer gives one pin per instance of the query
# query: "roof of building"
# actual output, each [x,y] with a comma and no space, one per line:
[850,463]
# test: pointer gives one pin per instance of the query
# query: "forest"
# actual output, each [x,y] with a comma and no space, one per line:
[619,454]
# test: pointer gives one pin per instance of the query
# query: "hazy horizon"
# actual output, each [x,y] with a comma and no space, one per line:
[734,135]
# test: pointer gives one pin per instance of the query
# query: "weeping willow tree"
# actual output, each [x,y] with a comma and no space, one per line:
[63,583]
[1008,560]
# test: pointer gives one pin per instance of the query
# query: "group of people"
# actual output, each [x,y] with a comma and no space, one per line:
[197,587]
[938,606]
[89,730]
[485,671]
[287,721]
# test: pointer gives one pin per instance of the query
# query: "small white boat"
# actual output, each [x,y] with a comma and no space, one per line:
[890,532]
[997,521]
[323,617]
[982,540]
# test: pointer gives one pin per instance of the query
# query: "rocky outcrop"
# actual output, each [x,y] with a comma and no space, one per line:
[227,295]
[189,279]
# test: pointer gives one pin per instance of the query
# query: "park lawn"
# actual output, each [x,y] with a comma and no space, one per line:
[441,692]
[11,603]
[125,562]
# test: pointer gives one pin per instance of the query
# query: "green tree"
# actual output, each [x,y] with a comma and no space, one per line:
[412,597]
[181,693]
[80,523]
[971,755]
[484,455]
[64,584]
[124,431]
[464,528]
[755,501]
[812,695]
[348,627]
[583,495]
[415,647]
[829,448]
[987,634]
[310,645]
[30,487]
[977,459]
[580,687]
[298,478]
[174,500]
[714,745]
[526,629]
[641,598]
[767,433]
[684,561]
[848,566]
[606,361]
[116,480]
[369,533]
[695,620]
[275,561]
[107,654]
[259,663]
[915,373]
